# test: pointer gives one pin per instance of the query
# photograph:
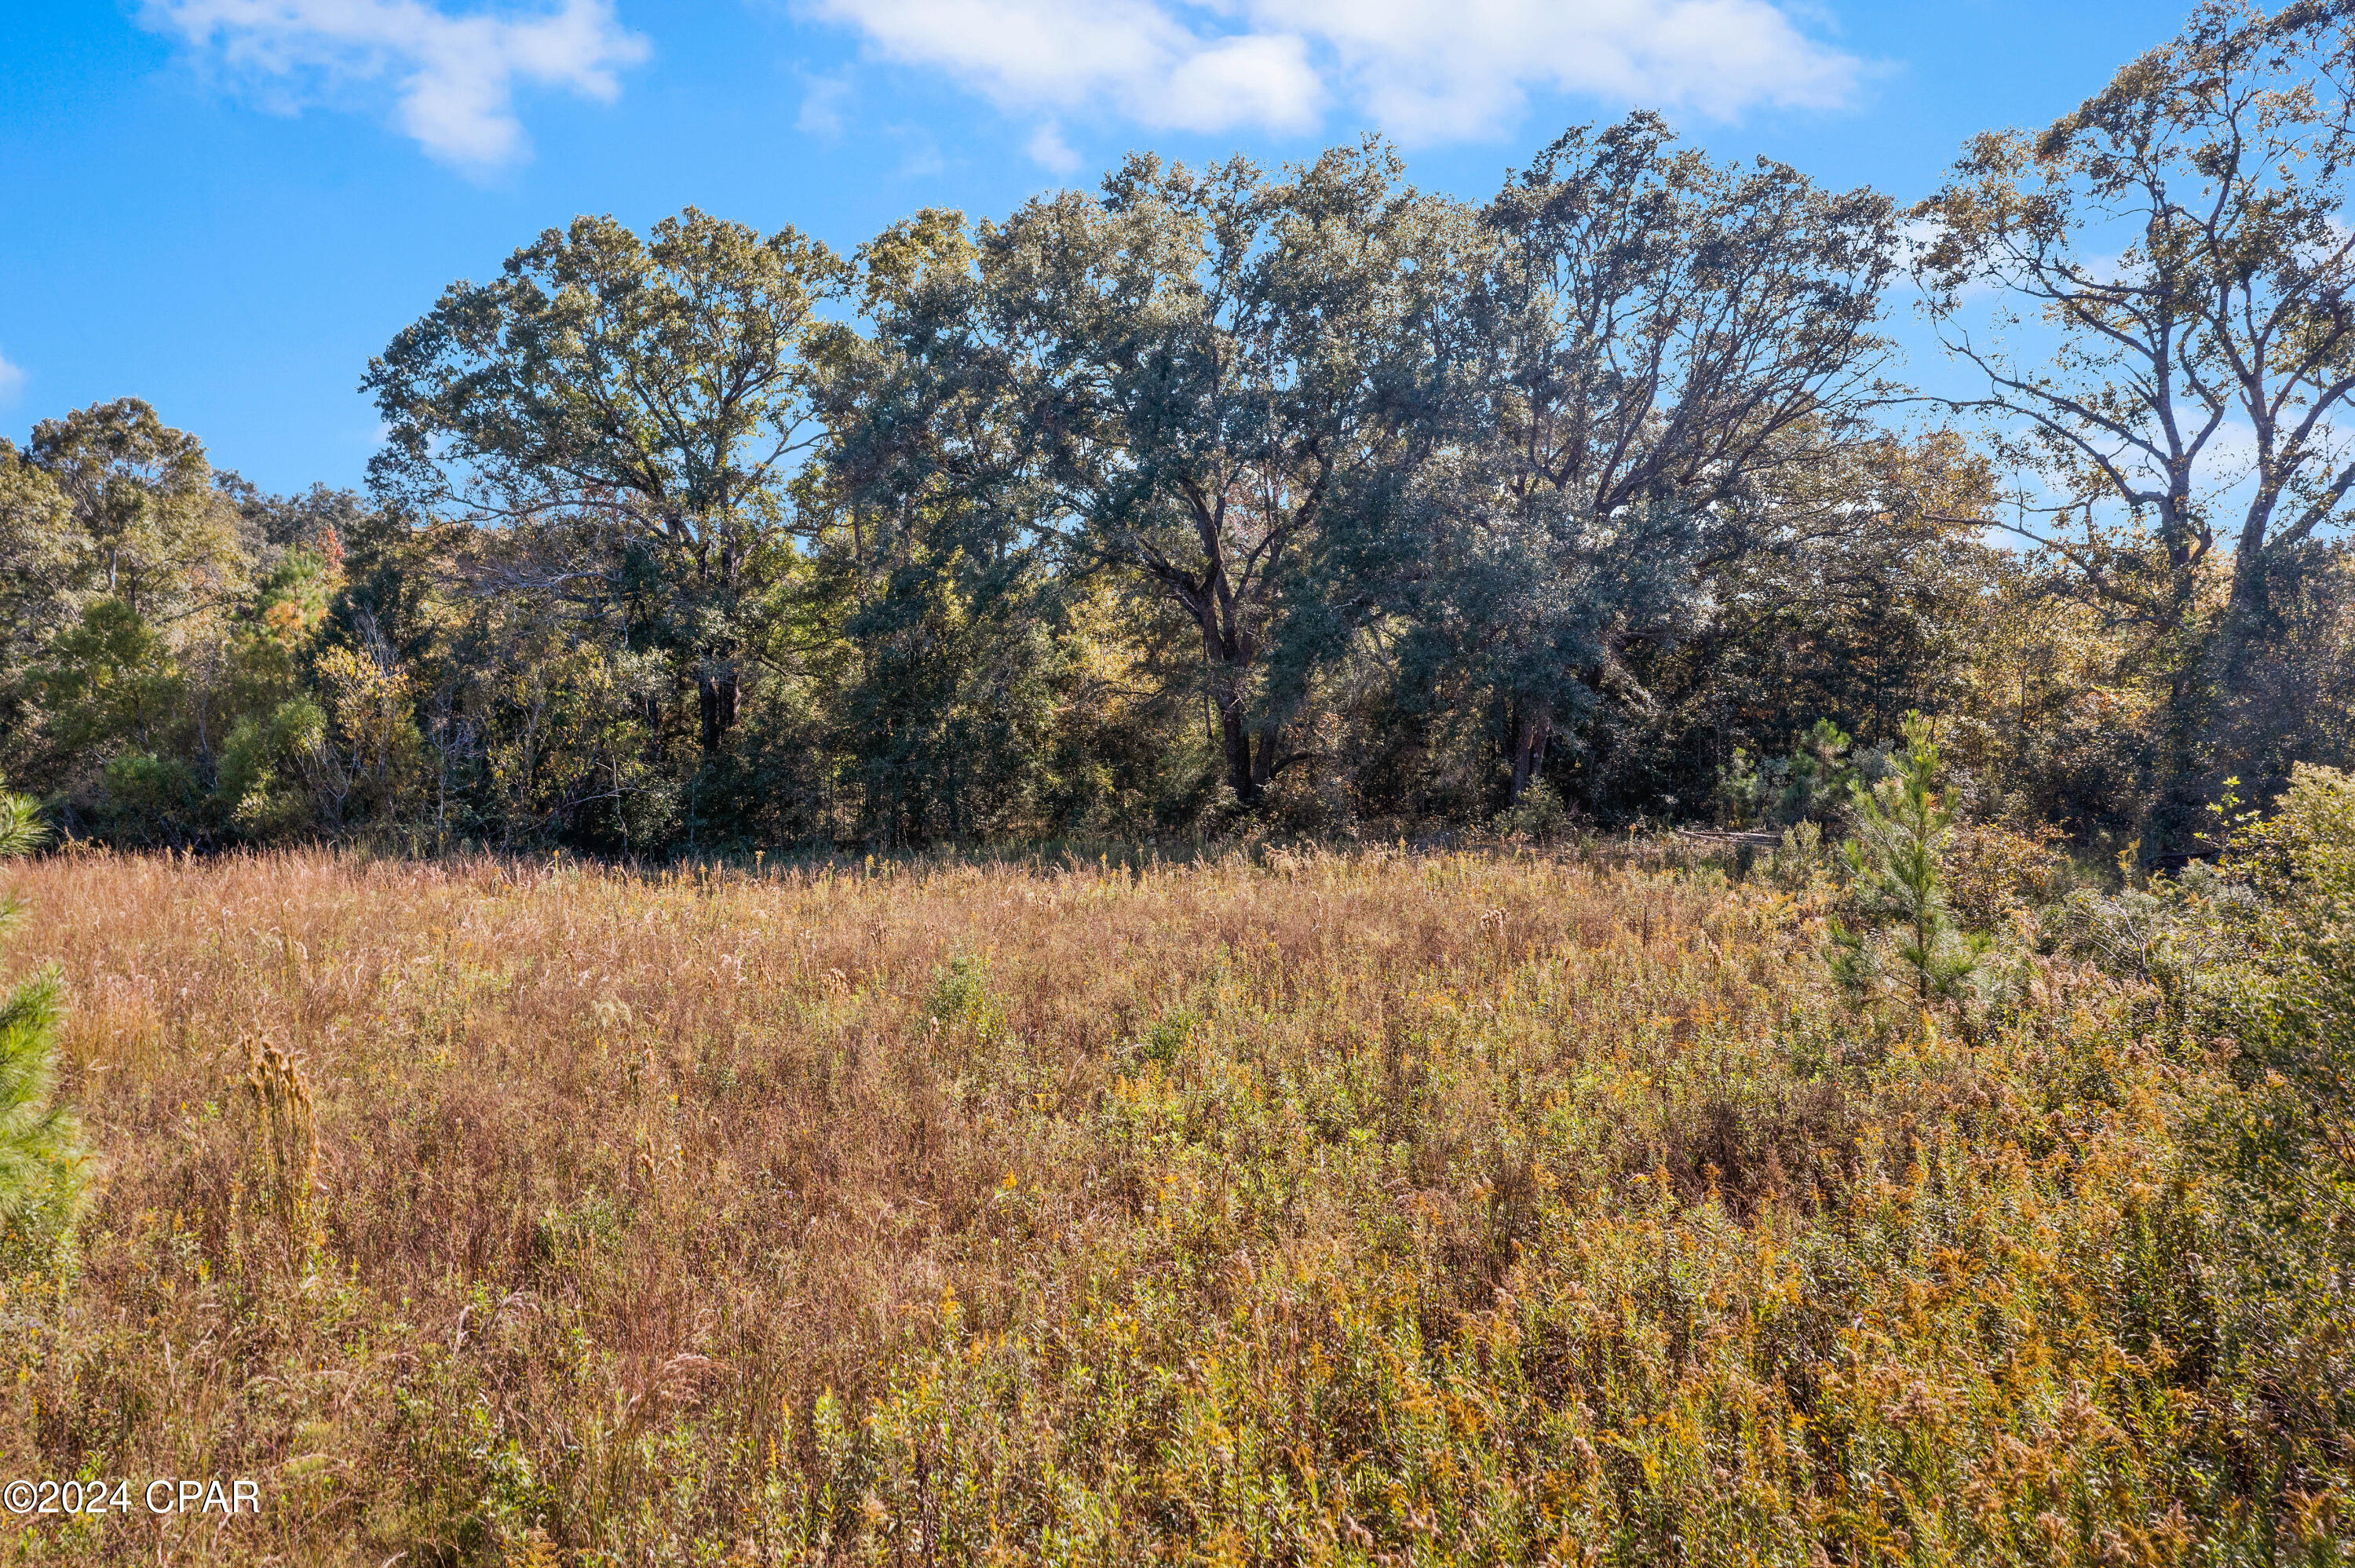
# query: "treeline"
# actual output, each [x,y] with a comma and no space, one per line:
[1230,501]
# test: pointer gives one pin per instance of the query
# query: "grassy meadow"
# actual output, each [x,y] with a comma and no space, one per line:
[1383,1208]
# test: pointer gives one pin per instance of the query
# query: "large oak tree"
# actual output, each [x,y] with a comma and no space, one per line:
[620,417]
[1671,351]
[1196,377]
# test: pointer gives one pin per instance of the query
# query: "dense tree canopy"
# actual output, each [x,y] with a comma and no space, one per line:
[1216,372]
[1234,501]
[619,417]
[1671,351]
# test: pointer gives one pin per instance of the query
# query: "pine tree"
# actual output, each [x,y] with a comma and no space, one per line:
[40,1146]
[1897,881]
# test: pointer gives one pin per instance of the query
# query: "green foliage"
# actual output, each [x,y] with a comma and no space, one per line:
[149,799]
[1808,784]
[368,762]
[41,1160]
[1816,774]
[2284,994]
[962,1003]
[261,789]
[107,683]
[274,722]
[1239,505]
[2256,964]
[21,829]
[655,518]
[1170,1034]
[1214,382]
[1897,888]
[38,572]
[143,523]
[1797,860]
[1539,815]
[1582,512]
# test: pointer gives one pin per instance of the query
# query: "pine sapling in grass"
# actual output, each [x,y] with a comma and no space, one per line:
[1897,885]
[41,1158]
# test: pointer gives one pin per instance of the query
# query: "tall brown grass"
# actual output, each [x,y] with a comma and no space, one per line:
[1371,1208]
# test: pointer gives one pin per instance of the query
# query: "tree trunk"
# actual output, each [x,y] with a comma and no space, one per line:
[1532,728]
[2171,830]
[1263,761]
[1237,741]
[1226,659]
[715,682]
[2210,716]
[2250,622]
[715,692]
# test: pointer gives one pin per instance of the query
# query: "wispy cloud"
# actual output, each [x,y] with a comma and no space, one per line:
[919,154]
[1425,69]
[1049,150]
[451,75]
[823,106]
[12,381]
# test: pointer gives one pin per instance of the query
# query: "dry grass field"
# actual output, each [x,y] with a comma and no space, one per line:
[1381,1208]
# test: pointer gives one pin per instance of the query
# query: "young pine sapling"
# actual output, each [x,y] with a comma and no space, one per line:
[1897,885]
[40,1151]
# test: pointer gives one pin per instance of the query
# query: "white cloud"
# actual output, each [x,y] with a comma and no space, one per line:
[452,76]
[1254,79]
[12,380]
[1423,70]
[1069,54]
[1049,150]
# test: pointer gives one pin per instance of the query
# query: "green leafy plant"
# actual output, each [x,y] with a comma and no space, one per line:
[2258,953]
[963,1002]
[2287,997]
[1806,785]
[41,1158]
[1539,816]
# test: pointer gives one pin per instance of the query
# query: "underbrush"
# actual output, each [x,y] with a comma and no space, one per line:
[1387,1208]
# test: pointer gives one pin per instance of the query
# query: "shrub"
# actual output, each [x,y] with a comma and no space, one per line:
[2285,1002]
[1539,816]
[1994,871]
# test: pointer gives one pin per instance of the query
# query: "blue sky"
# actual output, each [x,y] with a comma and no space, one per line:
[225,206]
